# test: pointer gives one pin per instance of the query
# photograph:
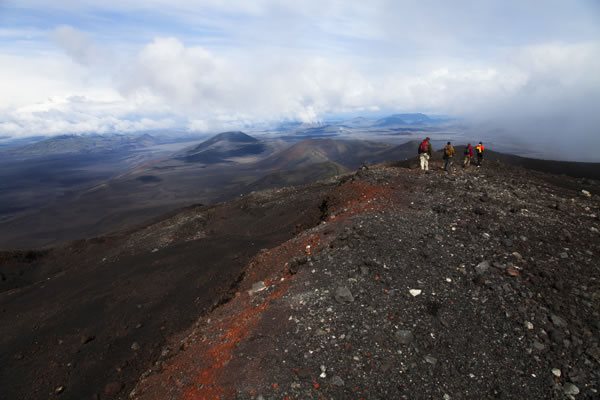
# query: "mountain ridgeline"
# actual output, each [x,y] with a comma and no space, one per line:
[114,189]
[483,281]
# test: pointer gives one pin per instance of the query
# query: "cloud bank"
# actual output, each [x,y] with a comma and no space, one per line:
[527,71]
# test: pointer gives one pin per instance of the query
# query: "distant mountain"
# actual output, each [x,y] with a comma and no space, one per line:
[348,153]
[404,119]
[69,144]
[223,147]
[358,122]
[400,152]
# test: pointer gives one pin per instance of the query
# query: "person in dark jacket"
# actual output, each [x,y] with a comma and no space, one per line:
[425,152]
[479,150]
[448,155]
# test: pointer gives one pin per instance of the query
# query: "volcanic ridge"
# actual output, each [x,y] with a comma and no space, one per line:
[385,283]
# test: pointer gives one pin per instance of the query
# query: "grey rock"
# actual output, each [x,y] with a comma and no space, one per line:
[564,255]
[404,336]
[257,287]
[343,295]
[135,346]
[337,381]
[538,346]
[558,321]
[482,267]
[431,359]
[570,389]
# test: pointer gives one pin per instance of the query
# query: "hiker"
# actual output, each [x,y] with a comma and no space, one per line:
[425,153]
[468,155]
[448,154]
[479,149]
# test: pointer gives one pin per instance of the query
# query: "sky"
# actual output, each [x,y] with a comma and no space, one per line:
[528,70]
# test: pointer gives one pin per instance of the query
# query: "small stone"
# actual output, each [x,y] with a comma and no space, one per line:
[564,255]
[586,193]
[528,325]
[135,346]
[482,267]
[447,396]
[337,381]
[415,292]
[431,359]
[59,389]
[558,321]
[556,372]
[343,295]
[404,336]
[257,287]
[570,389]
[512,271]
[538,346]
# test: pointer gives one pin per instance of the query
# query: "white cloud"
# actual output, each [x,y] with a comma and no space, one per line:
[211,64]
[77,45]
[169,82]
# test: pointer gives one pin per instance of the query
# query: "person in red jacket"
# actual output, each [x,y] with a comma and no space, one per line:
[425,151]
[468,155]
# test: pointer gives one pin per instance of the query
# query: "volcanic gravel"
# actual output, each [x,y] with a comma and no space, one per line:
[482,283]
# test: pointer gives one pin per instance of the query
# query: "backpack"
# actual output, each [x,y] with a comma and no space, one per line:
[423,147]
[448,151]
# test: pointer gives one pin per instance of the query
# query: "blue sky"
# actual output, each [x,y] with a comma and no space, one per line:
[520,67]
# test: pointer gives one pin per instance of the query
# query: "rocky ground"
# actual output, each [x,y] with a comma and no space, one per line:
[482,283]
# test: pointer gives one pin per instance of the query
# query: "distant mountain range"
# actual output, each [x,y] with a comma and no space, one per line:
[37,198]
[404,119]
[64,144]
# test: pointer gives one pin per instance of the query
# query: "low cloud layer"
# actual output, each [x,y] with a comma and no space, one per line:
[536,85]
